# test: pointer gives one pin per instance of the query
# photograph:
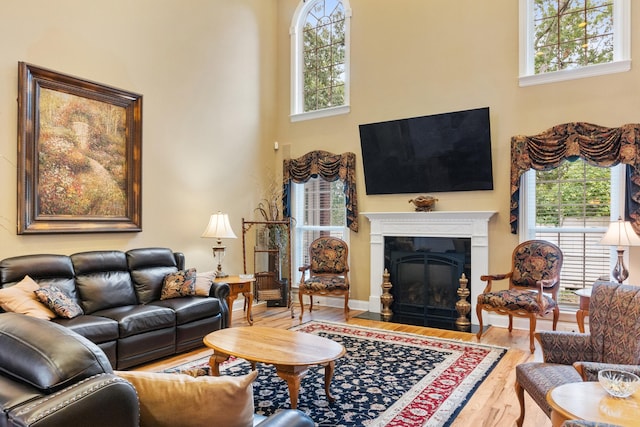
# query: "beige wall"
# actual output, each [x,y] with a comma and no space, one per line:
[418,57]
[215,79]
[206,71]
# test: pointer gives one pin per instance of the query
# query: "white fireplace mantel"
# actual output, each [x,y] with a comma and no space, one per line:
[472,224]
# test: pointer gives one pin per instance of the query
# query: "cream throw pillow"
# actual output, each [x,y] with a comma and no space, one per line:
[21,298]
[181,400]
[204,282]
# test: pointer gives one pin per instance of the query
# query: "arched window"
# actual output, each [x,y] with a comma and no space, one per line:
[320,59]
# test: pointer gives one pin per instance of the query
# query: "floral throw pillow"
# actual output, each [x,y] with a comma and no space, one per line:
[179,284]
[58,301]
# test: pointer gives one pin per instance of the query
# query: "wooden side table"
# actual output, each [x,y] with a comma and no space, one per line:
[239,286]
[583,311]
[589,401]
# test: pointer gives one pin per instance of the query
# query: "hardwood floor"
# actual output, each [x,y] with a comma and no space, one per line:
[494,404]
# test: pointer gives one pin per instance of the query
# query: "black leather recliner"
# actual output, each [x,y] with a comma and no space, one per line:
[51,376]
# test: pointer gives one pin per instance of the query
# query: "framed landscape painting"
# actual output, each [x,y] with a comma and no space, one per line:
[79,155]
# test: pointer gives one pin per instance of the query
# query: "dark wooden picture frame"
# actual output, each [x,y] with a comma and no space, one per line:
[79,155]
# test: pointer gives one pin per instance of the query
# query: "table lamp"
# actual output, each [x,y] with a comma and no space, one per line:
[620,234]
[219,228]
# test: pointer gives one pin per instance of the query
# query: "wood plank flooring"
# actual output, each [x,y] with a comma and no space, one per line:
[494,404]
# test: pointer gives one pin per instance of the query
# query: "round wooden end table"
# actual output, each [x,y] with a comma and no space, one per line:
[589,401]
[290,352]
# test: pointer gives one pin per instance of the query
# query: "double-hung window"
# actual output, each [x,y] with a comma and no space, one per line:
[572,206]
[320,59]
[569,39]
[318,209]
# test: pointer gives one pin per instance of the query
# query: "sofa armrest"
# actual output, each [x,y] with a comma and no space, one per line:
[589,370]
[564,347]
[102,400]
[287,418]
[221,291]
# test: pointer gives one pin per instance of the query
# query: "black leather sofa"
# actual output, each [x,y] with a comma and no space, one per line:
[52,377]
[119,293]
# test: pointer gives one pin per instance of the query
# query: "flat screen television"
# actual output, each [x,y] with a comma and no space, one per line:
[436,153]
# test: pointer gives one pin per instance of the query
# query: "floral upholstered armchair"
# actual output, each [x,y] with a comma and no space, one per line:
[536,266]
[328,271]
[612,342]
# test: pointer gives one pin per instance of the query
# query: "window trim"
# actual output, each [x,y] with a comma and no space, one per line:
[297,193]
[621,51]
[297,81]
[617,208]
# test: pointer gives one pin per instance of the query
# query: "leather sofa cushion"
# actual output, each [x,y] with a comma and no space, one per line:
[103,280]
[137,319]
[52,358]
[149,267]
[105,290]
[148,282]
[97,329]
[43,268]
[189,309]
[179,399]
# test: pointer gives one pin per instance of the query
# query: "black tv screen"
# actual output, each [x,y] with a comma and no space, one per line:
[437,153]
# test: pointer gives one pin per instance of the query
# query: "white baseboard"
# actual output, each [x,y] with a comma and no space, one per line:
[566,322]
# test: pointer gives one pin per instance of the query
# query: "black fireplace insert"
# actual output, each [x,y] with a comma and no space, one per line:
[425,274]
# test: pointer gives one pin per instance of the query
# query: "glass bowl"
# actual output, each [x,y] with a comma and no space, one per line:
[618,383]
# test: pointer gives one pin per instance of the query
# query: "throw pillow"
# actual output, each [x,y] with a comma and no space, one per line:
[20,298]
[58,301]
[181,400]
[204,282]
[179,284]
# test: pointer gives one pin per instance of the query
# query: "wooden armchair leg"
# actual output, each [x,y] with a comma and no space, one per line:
[479,314]
[301,303]
[346,307]
[520,394]
[532,332]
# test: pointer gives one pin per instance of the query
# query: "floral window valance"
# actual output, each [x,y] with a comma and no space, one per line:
[329,167]
[597,145]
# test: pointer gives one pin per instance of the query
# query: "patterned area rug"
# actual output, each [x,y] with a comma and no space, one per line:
[386,378]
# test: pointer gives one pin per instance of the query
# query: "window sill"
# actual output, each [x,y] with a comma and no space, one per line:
[326,112]
[579,73]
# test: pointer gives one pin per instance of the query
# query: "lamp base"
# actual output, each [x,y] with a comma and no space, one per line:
[221,274]
[620,272]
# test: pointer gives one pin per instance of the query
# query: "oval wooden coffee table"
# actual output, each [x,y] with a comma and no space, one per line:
[290,352]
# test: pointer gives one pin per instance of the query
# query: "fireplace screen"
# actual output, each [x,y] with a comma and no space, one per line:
[425,275]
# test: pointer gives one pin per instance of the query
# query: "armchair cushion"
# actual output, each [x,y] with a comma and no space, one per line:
[20,298]
[328,255]
[518,299]
[325,283]
[539,378]
[564,347]
[179,399]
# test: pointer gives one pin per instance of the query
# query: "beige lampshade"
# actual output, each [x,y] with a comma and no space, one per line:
[620,234]
[219,227]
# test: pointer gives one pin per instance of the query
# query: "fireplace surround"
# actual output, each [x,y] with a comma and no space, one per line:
[450,224]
